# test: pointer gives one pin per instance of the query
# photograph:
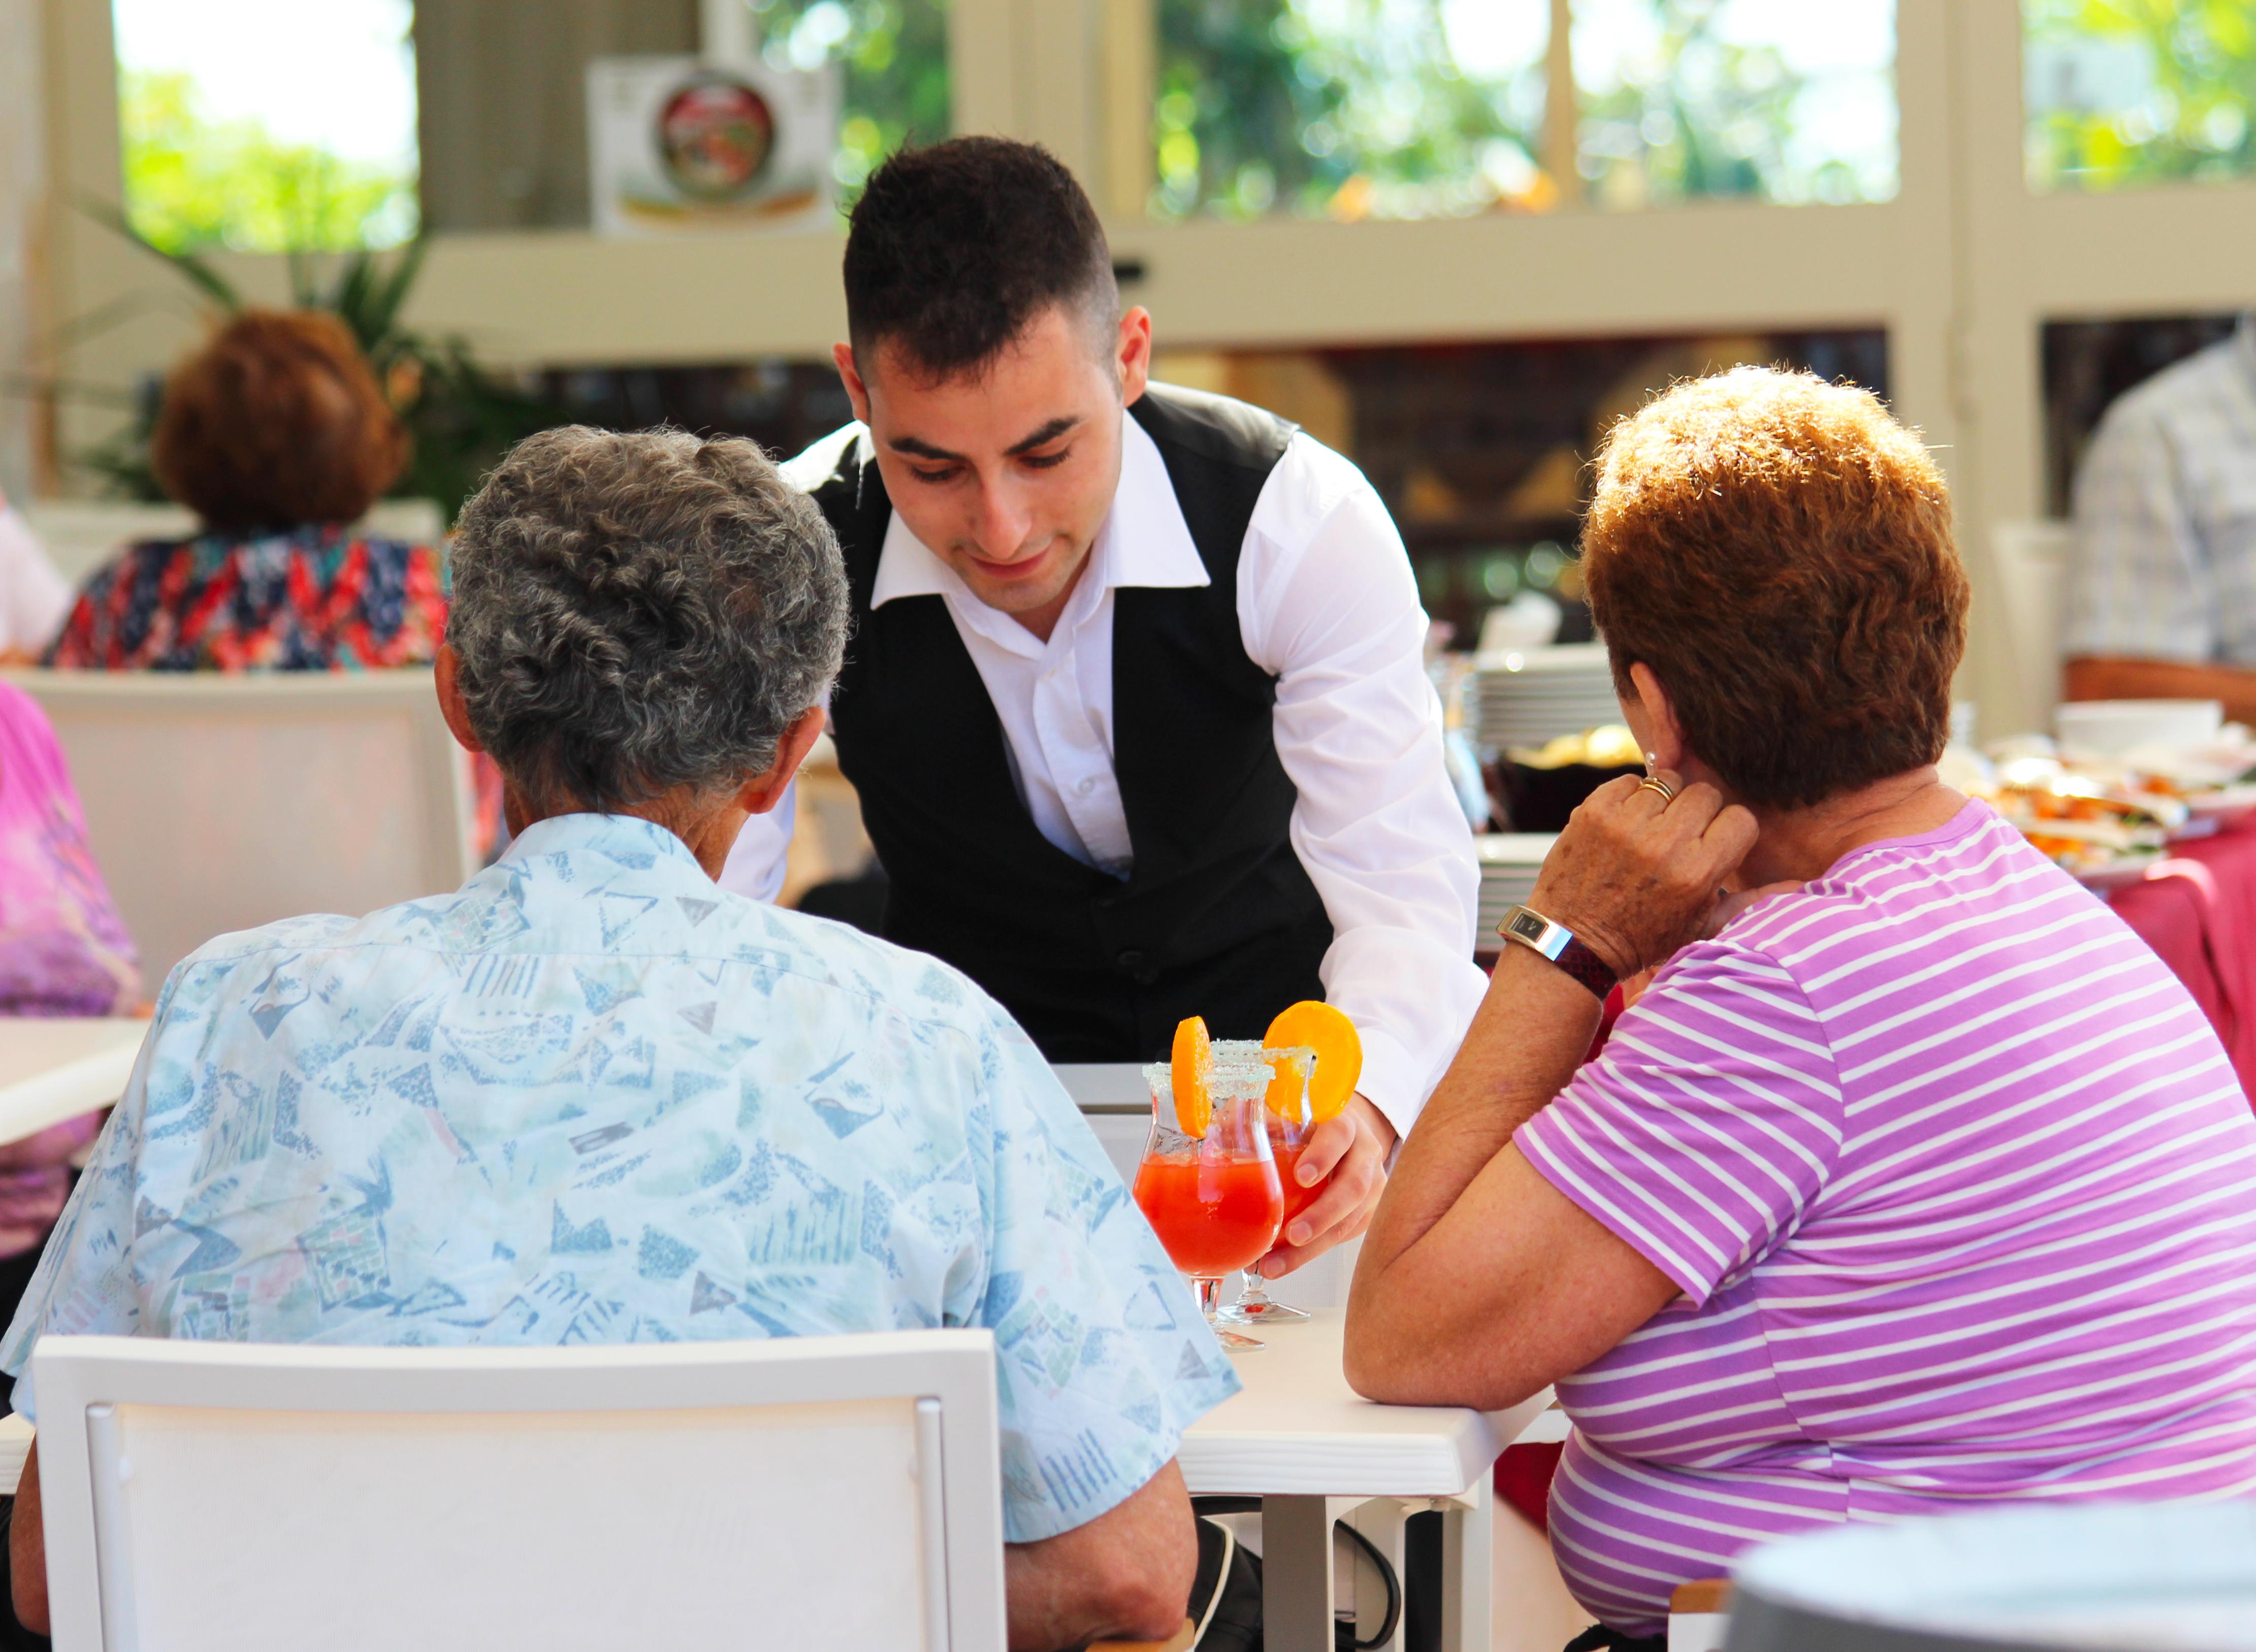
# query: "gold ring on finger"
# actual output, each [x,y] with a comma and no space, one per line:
[1655,783]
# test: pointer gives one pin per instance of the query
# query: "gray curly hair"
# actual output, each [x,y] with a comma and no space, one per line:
[634,613]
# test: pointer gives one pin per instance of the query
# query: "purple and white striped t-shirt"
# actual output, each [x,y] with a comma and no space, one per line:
[1961,1192]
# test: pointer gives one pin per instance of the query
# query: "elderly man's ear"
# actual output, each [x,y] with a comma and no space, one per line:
[451,705]
[763,792]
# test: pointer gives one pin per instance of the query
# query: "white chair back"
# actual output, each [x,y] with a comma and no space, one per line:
[2029,562]
[79,535]
[215,803]
[823,1493]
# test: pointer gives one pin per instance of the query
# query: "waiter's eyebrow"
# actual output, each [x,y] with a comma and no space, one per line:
[1047,435]
[917,447]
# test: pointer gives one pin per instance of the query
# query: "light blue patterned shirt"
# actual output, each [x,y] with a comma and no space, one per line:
[592,1098]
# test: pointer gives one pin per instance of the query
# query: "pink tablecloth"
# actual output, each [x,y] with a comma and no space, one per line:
[2197,910]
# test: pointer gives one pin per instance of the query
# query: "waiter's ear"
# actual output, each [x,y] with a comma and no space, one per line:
[857,391]
[1135,360]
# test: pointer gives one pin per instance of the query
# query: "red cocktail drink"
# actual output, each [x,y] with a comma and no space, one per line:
[1215,1213]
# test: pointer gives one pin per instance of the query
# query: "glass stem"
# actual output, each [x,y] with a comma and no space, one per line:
[1209,1295]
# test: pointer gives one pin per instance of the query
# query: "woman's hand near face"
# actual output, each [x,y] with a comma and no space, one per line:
[1636,876]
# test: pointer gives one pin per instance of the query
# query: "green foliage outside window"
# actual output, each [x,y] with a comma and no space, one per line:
[1363,112]
[1361,108]
[895,57]
[2122,93]
[1703,117]
[193,181]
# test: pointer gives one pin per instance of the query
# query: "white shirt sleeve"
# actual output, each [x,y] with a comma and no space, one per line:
[1327,601]
[35,600]
[755,865]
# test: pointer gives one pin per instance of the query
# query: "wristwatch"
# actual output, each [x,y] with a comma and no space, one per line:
[1557,942]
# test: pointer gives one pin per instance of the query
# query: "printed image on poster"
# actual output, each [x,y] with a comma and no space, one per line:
[677,143]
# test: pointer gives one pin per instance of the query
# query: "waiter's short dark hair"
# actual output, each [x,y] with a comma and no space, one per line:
[954,248]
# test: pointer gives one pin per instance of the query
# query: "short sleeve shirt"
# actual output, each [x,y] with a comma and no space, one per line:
[590,1098]
[1959,1190]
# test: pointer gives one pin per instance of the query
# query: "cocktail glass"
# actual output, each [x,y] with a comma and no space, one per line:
[1214,1200]
[1290,1126]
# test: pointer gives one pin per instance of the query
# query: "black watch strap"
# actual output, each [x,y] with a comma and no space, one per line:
[1528,927]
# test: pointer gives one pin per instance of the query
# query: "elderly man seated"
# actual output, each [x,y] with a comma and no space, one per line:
[592,1098]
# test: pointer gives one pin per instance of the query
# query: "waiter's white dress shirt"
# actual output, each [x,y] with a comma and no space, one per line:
[1327,604]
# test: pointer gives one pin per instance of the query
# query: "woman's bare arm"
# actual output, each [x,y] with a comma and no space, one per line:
[1479,1281]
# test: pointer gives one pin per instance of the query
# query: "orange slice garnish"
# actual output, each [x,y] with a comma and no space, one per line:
[1190,1065]
[1339,1054]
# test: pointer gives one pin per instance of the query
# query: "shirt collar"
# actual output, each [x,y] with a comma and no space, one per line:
[1145,540]
[627,838]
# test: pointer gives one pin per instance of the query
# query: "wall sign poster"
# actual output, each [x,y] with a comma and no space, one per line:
[678,144]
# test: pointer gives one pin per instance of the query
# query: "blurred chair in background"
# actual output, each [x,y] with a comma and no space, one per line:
[63,951]
[221,803]
[277,435]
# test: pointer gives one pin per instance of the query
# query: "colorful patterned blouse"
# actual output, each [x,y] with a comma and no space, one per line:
[312,598]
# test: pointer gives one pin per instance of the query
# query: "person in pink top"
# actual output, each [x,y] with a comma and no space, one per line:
[1913,1181]
[63,951]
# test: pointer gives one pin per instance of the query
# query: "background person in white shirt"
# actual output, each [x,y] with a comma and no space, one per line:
[2161,589]
[1136,703]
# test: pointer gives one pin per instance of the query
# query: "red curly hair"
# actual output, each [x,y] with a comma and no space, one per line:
[276,421]
[1778,551]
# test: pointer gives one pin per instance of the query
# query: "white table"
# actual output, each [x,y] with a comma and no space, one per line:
[1299,1438]
[53,1070]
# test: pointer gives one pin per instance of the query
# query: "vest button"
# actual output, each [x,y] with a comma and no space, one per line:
[1132,965]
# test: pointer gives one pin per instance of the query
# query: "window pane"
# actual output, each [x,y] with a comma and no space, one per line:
[1392,108]
[895,54]
[1406,108]
[2120,92]
[1768,100]
[227,138]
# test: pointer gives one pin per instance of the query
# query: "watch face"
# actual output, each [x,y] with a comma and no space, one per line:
[1528,924]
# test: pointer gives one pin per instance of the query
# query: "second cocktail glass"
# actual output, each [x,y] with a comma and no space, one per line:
[1214,1200]
[1290,1126]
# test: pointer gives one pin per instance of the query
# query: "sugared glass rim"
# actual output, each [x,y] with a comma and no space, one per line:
[1232,1053]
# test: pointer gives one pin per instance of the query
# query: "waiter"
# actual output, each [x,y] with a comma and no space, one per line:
[1135,700]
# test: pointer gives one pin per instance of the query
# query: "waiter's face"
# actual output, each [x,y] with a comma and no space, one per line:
[1007,472]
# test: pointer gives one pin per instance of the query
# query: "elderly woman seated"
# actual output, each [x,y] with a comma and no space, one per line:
[590,1096]
[1913,1181]
[278,435]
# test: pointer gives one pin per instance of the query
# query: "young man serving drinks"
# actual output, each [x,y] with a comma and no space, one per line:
[1136,704]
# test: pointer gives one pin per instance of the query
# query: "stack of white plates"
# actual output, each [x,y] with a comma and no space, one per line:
[1525,696]
[1509,862]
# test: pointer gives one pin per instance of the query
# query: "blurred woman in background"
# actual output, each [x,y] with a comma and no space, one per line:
[278,435]
[63,951]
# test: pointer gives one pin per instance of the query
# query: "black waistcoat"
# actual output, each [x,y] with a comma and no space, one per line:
[1218,918]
